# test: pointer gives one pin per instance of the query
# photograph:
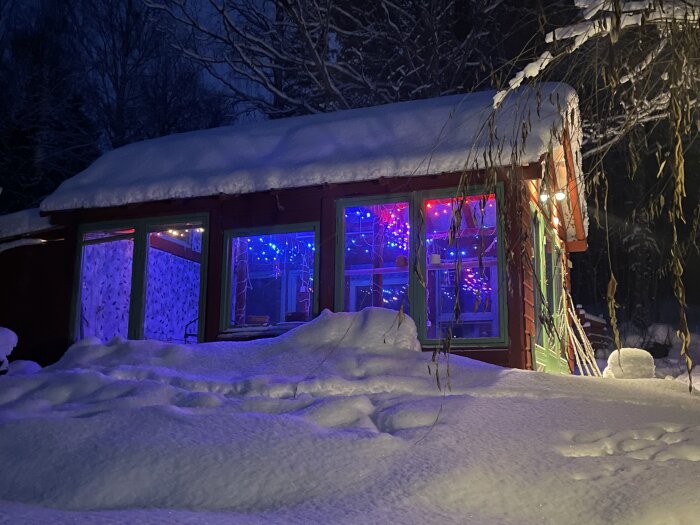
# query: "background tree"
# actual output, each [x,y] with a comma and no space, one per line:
[285,57]
[140,87]
[636,67]
[81,77]
[45,134]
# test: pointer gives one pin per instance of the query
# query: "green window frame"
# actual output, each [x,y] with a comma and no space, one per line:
[225,316]
[142,228]
[417,258]
[548,353]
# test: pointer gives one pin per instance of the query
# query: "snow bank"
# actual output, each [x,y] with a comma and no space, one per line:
[8,341]
[421,137]
[21,367]
[338,421]
[630,363]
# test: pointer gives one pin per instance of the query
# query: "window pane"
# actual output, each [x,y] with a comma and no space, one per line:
[555,295]
[463,272]
[537,240]
[105,289]
[272,278]
[173,282]
[376,256]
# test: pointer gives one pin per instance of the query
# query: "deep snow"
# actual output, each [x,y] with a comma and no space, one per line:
[338,421]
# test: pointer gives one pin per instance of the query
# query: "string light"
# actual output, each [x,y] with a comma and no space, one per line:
[287,248]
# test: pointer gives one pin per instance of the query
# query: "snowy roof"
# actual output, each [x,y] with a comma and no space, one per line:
[23,223]
[438,135]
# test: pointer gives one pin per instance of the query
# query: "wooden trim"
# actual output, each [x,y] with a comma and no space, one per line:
[327,255]
[572,188]
[577,246]
[174,248]
[531,171]
[515,305]
[214,275]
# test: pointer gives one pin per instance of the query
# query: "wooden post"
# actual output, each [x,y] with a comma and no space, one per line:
[377,262]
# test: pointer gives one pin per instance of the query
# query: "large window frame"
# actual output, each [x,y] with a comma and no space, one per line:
[548,353]
[225,315]
[142,228]
[417,258]
[350,202]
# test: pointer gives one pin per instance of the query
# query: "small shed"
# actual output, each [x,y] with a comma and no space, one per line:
[460,215]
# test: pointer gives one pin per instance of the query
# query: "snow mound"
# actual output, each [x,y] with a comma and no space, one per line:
[21,367]
[339,421]
[8,341]
[375,330]
[630,363]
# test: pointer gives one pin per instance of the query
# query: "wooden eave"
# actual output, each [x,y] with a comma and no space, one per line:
[579,244]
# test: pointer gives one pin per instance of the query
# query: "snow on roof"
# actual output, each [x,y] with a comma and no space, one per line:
[421,137]
[23,223]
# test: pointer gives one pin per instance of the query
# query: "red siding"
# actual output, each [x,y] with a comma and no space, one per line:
[37,287]
[317,204]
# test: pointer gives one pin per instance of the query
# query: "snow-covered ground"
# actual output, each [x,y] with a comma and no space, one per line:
[338,422]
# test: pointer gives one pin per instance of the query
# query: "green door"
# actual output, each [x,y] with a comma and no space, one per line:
[551,336]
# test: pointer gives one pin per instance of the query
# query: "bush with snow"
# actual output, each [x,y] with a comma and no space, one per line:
[630,363]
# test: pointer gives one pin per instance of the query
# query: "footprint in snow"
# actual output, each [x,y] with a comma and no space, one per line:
[657,442]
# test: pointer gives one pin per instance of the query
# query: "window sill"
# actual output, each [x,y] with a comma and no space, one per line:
[248,333]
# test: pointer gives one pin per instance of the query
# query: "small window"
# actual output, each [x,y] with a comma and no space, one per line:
[376,244]
[463,271]
[272,277]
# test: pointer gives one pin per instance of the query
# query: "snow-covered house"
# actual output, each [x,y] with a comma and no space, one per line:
[245,231]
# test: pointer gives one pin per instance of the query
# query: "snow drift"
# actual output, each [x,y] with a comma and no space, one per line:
[338,421]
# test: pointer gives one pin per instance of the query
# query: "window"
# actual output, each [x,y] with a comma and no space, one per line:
[377,266]
[173,282]
[142,280]
[463,271]
[375,255]
[105,284]
[271,276]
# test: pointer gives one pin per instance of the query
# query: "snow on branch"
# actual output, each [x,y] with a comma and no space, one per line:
[285,58]
[606,18]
